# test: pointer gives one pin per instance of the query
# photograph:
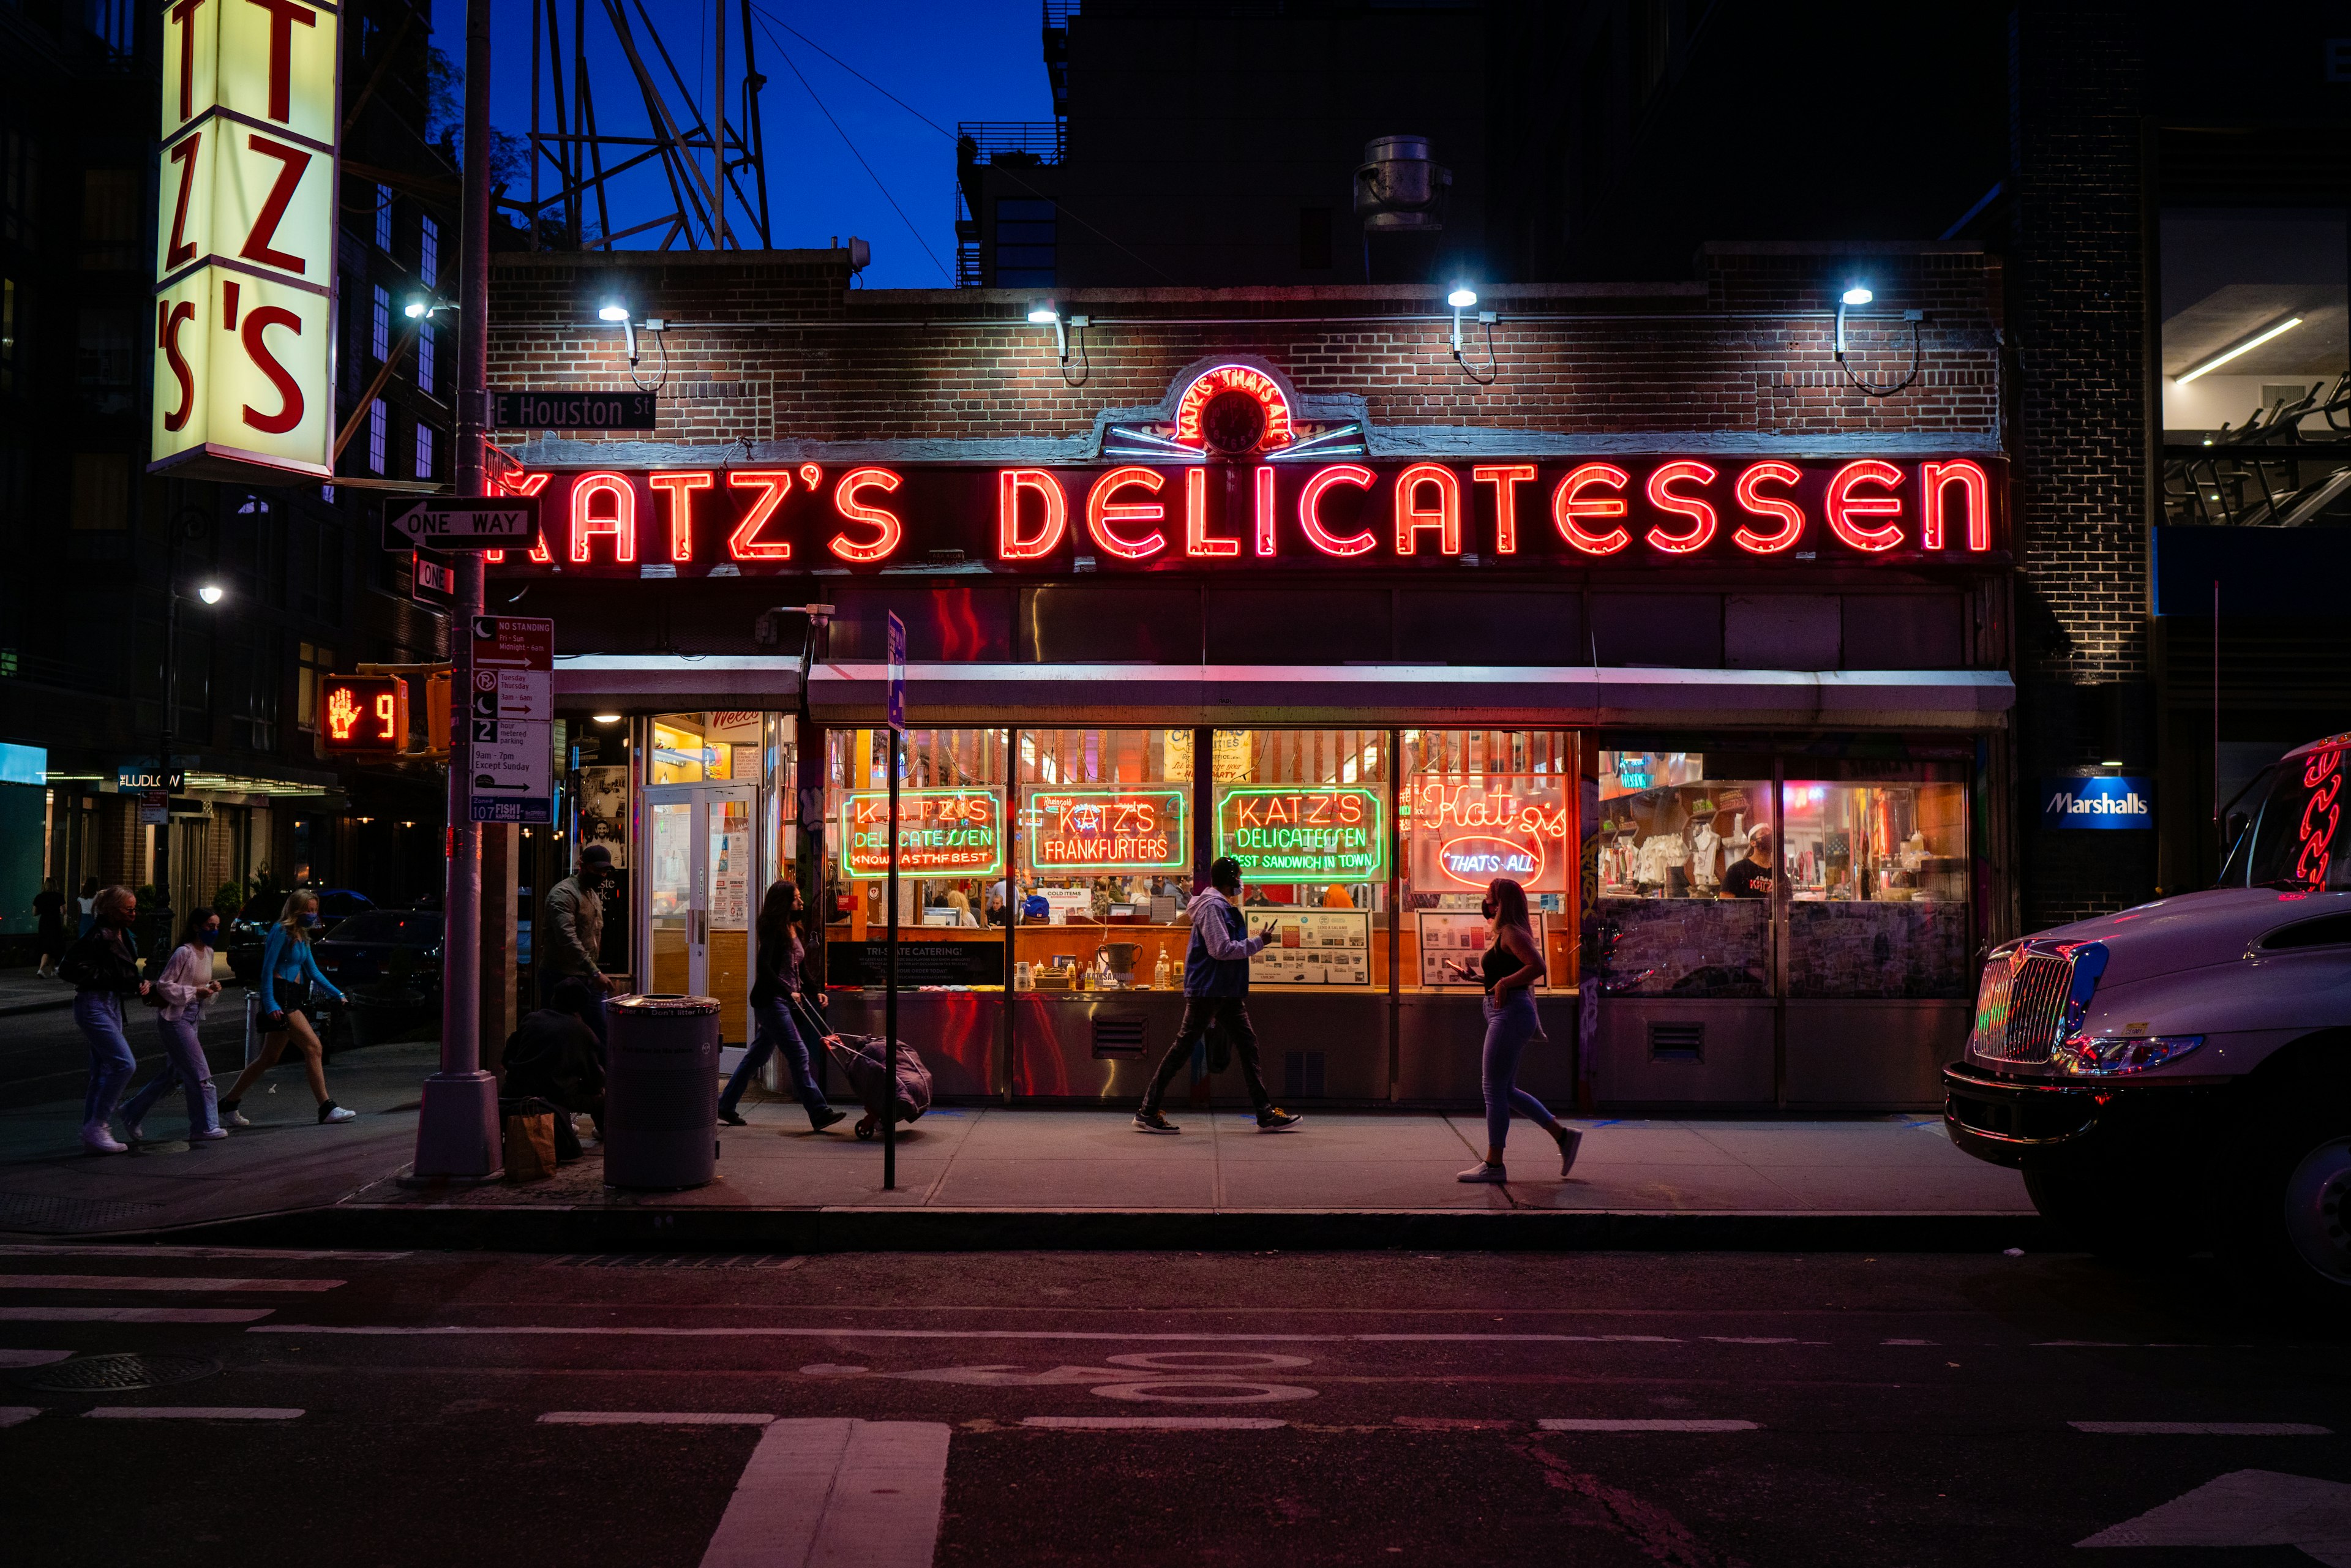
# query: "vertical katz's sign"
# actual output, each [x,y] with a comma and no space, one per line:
[245,241]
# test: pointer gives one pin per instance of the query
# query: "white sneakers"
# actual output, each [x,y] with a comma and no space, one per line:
[1482,1172]
[208,1136]
[96,1139]
[339,1114]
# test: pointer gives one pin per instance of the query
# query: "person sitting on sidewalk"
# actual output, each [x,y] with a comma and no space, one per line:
[1215,993]
[555,1055]
[186,983]
[103,971]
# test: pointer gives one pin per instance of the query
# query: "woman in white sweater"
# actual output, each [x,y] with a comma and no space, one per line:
[185,984]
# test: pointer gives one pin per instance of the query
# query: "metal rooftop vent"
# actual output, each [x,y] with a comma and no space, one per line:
[1401,189]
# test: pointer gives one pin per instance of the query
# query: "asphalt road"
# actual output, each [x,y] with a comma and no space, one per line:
[896,1410]
[42,1056]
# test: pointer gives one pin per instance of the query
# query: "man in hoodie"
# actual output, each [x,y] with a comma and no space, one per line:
[1215,993]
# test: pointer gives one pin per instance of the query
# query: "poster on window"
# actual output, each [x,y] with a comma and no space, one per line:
[604,811]
[1311,946]
[1453,950]
[730,867]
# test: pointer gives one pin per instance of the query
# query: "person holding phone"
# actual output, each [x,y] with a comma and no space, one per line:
[1509,970]
[1215,993]
[185,984]
[289,972]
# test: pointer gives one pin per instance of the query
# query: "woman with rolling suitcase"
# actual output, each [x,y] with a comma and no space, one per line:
[778,965]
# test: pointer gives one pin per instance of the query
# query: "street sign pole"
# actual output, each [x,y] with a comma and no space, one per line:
[890,970]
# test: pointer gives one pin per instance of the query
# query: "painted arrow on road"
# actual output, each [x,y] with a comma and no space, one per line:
[2248,1508]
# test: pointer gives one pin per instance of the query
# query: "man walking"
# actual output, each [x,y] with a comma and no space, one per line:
[1215,993]
[574,931]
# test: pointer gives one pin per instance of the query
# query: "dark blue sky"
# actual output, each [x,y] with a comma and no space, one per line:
[951,59]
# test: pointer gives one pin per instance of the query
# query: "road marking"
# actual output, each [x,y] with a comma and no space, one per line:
[653,1419]
[1907,1341]
[2246,1508]
[133,1314]
[1582,1424]
[118,1250]
[31,1357]
[191,1413]
[17,1415]
[867,1493]
[153,1282]
[1154,1422]
[2203,1429]
[1245,1392]
[398,1331]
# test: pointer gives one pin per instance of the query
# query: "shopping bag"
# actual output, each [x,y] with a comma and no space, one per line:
[530,1147]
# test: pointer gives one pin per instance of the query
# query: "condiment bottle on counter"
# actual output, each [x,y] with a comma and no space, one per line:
[1162,975]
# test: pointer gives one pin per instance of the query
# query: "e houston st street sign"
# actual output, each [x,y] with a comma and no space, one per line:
[500,523]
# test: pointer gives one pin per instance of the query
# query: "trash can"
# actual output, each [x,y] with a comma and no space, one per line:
[661,1091]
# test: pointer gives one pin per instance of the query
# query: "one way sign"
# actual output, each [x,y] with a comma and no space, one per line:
[506,523]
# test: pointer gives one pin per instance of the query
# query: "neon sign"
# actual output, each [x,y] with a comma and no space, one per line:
[2322,814]
[1106,829]
[941,832]
[1191,409]
[1289,831]
[1465,834]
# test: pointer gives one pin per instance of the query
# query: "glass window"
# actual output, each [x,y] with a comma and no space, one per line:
[1680,903]
[1477,805]
[424,357]
[1878,872]
[1305,811]
[717,747]
[1104,839]
[380,324]
[2294,841]
[952,857]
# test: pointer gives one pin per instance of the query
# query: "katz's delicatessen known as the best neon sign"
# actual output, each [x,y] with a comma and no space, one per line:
[941,833]
[1462,834]
[1105,830]
[1314,832]
[244,235]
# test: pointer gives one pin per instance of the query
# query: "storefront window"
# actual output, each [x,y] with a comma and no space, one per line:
[1477,805]
[708,748]
[952,862]
[1674,913]
[1878,872]
[1305,811]
[1104,846]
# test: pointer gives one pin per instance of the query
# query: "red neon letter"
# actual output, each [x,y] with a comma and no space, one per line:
[1310,506]
[1843,505]
[185,155]
[174,317]
[1264,511]
[256,349]
[181,14]
[528,485]
[1791,515]
[283,15]
[887,530]
[1973,482]
[1009,482]
[1699,513]
[265,225]
[622,525]
[681,489]
[1102,512]
[1411,517]
[1197,541]
[1568,508]
[1506,478]
[774,485]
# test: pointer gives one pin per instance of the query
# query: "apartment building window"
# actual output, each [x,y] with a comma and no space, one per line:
[382,341]
[316,660]
[424,357]
[384,219]
[109,361]
[101,491]
[115,24]
[1024,243]
[255,692]
[428,252]
[425,451]
[112,215]
[379,432]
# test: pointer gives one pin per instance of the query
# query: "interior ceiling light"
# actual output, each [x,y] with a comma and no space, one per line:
[2255,342]
[608,718]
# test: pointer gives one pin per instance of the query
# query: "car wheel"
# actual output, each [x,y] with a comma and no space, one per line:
[2315,1214]
[2115,1211]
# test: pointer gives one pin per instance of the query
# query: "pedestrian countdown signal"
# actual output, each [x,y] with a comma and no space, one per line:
[363,715]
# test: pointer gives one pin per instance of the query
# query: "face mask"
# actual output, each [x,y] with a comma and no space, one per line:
[1487,909]
[311,918]
[205,937]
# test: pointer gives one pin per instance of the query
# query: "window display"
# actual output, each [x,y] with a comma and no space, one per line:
[1305,812]
[1478,804]
[1105,859]
[953,858]
[1677,912]
[1878,874]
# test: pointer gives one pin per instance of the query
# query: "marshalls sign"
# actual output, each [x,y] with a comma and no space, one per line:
[245,241]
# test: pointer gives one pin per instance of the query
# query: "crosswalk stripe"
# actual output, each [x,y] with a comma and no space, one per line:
[2201,1428]
[133,1314]
[1581,1424]
[31,1357]
[155,1282]
[17,1415]
[191,1413]
[1154,1422]
[115,1249]
[653,1419]
[867,1493]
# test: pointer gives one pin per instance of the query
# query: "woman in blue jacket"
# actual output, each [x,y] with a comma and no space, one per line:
[289,973]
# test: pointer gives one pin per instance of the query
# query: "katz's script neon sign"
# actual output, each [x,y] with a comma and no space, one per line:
[941,832]
[1229,516]
[1465,834]
[1106,829]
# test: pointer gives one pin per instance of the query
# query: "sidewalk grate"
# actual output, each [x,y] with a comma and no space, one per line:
[676,1261]
[28,1212]
[117,1374]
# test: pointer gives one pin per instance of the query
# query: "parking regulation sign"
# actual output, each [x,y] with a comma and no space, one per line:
[509,756]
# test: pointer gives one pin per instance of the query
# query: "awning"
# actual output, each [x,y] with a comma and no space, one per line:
[678,682]
[1434,696]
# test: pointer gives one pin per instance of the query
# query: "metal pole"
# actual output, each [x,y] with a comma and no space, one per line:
[163,750]
[890,993]
[458,1124]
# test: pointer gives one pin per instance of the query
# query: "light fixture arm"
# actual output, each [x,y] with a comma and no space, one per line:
[1486,318]
[1869,388]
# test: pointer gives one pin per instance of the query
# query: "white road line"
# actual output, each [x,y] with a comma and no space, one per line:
[2203,1429]
[858,1494]
[154,1282]
[133,1314]
[120,1251]
[191,1413]
[1154,1422]
[17,1415]
[399,1331]
[1579,1424]
[1907,1341]
[653,1419]
[31,1357]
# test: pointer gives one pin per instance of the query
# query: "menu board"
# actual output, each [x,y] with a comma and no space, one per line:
[1463,834]
[941,833]
[1312,947]
[1450,937]
[1106,829]
[1303,833]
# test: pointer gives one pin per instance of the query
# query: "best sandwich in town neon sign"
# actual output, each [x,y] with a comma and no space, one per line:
[1176,516]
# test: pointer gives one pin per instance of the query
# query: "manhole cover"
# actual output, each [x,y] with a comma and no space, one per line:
[115,1373]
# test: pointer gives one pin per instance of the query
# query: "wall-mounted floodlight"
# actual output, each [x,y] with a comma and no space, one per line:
[1859,294]
[1854,296]
[2225,355]
[613,310]
[616,310]
[1463,298]
[1046,313]
[212,593]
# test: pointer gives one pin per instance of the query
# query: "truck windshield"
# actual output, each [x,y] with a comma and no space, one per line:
[2294,839]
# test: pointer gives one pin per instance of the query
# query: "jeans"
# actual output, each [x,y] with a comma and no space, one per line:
[1201,1014]
[775,1030]
[100,1014]
[1509,1024]
[183,1067]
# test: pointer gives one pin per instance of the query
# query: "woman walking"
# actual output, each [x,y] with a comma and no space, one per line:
[778,965]
[88,906]
[185,984]
[1509,969]
[103,972]
[50,912]
[289,973]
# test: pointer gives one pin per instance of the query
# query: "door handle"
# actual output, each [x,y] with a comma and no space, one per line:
[700,928]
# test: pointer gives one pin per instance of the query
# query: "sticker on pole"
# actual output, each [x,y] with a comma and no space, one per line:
[897,674]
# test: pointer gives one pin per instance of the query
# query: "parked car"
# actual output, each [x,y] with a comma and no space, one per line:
[250,929]
[388,962]
[2179,1073]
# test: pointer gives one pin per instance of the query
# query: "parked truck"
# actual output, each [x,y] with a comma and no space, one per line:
[2178,1075]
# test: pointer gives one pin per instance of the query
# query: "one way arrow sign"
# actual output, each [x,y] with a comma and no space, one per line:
[505,523]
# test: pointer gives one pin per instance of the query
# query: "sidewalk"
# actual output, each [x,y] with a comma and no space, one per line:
[24,991]
[988,1177]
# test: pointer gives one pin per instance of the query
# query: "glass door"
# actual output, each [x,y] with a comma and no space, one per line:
[698,895]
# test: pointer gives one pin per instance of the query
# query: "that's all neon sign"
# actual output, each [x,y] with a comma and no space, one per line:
[1234,515]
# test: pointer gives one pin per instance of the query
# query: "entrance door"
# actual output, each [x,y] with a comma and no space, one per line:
[699,895]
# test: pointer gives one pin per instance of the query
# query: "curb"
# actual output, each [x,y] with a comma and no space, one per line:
[465,1227]
[17,1009]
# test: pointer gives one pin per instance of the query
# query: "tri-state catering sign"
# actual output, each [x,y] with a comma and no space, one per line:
[245,237]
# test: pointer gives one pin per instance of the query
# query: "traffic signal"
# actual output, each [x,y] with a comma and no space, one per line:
[363,715]
[436,712]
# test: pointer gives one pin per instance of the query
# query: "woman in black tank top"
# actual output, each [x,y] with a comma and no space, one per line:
[1511,969]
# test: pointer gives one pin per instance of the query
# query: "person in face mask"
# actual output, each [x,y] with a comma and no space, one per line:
[184,985]
[289,973]
[573,932]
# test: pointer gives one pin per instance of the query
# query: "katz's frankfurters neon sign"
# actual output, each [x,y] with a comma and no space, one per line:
[1184,515]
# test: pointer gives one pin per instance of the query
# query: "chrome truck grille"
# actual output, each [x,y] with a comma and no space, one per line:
[2032,996]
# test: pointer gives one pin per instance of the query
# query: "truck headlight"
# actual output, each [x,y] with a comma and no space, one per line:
[2103,1056]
